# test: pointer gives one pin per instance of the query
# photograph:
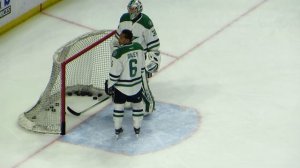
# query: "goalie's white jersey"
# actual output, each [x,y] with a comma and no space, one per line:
[143,31]
[126,69]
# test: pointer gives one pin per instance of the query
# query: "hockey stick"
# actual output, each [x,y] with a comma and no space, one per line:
[87,109]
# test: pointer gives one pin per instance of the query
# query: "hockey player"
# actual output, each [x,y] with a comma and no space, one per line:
[125,81]
[143,33]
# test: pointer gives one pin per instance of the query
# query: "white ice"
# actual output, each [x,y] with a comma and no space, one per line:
[235,61]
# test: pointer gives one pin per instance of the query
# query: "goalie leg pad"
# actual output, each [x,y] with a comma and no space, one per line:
[148,99]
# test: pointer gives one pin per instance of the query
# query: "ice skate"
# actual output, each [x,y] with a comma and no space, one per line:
[137,132]
[118,133]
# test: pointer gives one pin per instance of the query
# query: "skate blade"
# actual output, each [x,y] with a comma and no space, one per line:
[117,137]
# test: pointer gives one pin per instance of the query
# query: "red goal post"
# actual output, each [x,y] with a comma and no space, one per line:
[80,66]
[63,77]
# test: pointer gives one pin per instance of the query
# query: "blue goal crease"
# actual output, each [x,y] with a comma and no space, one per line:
[168,125]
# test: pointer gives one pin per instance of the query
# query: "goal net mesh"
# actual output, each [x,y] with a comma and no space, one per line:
[87,65]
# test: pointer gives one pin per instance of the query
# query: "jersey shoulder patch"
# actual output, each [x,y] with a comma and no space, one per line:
[137,46]
[145,21]
[125,17]
[115,54]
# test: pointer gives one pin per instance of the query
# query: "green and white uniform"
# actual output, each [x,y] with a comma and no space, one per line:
[125,75]
[145,34]
[142,29]
[127,68]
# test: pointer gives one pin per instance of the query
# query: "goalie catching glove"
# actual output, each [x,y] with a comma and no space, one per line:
[109,91]
[152,61]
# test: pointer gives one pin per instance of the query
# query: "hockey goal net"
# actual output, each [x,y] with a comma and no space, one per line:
[79,69]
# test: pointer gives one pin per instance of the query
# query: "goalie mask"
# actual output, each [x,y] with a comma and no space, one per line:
[134,8]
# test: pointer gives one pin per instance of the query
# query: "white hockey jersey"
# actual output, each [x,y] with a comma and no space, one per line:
[143,31]
[126,69]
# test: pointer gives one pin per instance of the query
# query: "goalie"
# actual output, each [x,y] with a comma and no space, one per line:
[143,33]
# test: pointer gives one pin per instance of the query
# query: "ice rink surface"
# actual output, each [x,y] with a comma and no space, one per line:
[234,63]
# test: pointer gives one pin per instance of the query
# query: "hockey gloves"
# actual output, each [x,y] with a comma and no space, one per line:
[109,91]
[152,61]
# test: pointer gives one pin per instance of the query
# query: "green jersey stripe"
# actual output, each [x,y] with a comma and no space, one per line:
[114,76]
[154,46]
[128,85]
[135,79]
[153,42]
